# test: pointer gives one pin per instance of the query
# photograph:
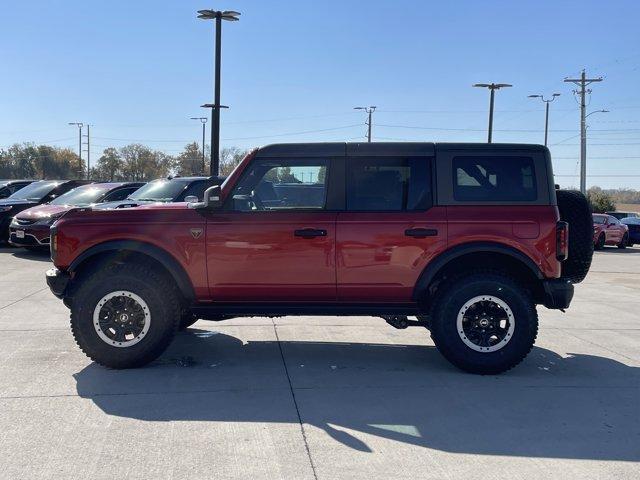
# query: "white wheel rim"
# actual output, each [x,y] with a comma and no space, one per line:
[509,318]
[106,334]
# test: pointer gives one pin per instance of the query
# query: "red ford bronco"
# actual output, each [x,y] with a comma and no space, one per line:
[468,238]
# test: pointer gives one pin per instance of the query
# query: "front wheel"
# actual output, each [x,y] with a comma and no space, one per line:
[624,242]
[484,323]
[600,242]
[124,316]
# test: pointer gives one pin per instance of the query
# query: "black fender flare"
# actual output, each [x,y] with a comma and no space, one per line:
[167,260]
[435,265]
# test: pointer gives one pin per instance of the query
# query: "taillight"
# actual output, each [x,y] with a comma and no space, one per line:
[562,241]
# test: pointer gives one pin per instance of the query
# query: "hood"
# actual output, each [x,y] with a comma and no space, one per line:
[43,211]
[8,201]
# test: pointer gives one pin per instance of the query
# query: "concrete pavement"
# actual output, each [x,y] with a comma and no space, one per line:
[325,398]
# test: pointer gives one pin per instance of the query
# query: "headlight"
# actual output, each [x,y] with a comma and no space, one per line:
[47,220]
[53,244]
[6,208]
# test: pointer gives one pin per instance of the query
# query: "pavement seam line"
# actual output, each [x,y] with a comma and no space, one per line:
[23,298]
[295,403]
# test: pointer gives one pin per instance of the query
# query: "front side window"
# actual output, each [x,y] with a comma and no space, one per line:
[489,179]
[388,184]
[291,184]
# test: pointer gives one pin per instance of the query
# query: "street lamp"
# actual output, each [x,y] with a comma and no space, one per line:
[79,125]
[370,109]
[546,120]
[218,16]
[203,120]
[492,87]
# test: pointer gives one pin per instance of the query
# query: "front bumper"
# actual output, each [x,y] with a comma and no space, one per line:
[57,281]
[33,235]
[558,293]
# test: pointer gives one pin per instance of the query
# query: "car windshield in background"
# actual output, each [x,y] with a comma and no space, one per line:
[159,191]
[36,191]
[600,219]
[81,196]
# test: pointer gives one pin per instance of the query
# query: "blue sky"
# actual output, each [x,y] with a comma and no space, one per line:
[137,70]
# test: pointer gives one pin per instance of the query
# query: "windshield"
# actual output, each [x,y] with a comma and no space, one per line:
[600,219]
[36,191]
[159,191]
[80,196]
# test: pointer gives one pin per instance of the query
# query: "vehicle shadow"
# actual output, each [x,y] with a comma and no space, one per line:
[579,406]
[626,251]
[34,255]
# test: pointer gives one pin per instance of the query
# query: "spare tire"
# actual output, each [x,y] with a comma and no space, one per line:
[575,210]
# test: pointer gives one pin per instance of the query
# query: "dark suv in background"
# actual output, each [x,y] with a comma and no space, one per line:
[175,189]
[9,187]
[33,194]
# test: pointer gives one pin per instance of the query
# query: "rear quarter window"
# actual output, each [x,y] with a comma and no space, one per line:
[489,179]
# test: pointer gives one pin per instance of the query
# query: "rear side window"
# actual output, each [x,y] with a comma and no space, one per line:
[494,179]
[388,184]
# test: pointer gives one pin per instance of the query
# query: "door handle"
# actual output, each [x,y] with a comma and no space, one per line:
[421,232]
[310,233]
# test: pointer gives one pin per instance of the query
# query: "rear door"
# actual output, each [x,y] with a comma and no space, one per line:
[274,240]
[390,228]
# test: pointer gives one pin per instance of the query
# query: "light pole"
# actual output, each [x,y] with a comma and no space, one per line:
[218,16]
[203,120]
[79,125]
[492,87]
[546,118]
[369,110]
[583,153]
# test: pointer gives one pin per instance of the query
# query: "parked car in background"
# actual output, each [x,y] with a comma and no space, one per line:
[9,187]
[621,215]
[607,230]
[175,189]
[633,224]
[33,194]
[30,228]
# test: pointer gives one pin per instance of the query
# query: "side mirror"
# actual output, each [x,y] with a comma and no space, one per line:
[212,199]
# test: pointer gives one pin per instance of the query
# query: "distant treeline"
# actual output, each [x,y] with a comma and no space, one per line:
[133,162]
[619,195]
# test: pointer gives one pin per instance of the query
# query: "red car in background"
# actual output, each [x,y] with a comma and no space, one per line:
[607,230]
[30,228]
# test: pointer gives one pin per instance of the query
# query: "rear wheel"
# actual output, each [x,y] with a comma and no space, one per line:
[125,316]
[484,323]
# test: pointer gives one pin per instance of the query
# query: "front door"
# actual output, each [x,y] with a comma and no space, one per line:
[389,230]
[274,240]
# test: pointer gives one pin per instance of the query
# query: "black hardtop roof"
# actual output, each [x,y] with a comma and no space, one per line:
[383,148]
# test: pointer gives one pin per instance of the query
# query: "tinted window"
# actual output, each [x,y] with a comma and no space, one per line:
[36,191]
[160,190]
[599,219]
[282,185]
[388,184]
[119,194]
[490,179]
[197,189]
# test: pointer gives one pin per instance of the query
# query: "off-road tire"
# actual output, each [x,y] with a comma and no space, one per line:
[624,242]
[599,245]
[575,210]
[452,296]
[157,291]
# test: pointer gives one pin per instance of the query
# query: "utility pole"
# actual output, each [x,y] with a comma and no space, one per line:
[79,125]
[492,88]
[369,110]
[88,137]
[546,117]
[582,83]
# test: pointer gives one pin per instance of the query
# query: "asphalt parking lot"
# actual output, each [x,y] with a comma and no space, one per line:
[327,398]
